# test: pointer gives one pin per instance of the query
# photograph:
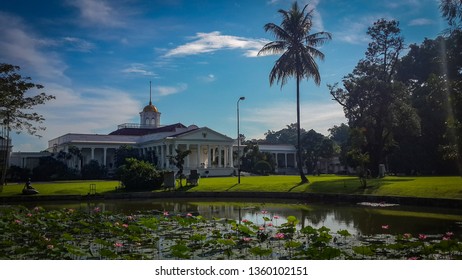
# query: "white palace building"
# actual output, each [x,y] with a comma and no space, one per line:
[211,151]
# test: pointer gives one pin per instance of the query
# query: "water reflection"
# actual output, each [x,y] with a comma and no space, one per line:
[357,219]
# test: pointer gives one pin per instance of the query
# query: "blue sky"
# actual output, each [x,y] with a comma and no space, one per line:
[97,58]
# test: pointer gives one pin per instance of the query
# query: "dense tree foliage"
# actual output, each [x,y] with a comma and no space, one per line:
[286,135]
[315,147]
[373,101]
[255,161]
[50,169]
[298,48]
[16,105]
[340,134]
[433,73]
[452,11]
[93,171]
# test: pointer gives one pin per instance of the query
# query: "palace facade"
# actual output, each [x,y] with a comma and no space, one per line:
[211,151]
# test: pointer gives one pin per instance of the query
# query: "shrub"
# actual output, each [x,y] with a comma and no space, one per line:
[93,170]
[262,167]
[139,175]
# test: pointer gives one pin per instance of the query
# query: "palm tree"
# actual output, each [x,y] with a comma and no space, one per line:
[298,49]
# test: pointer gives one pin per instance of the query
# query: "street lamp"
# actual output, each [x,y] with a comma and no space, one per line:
[238,143]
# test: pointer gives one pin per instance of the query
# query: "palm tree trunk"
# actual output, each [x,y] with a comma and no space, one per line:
[299,150]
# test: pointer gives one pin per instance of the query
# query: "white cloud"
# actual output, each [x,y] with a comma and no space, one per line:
[77,44]
[214,41]
[87,109]
[138,68]
[420,22]
[354,30]
[83,110]
[19,46]
[317,116]
[97,12]
[169,90]
[208,78]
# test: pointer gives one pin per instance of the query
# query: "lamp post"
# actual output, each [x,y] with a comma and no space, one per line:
[238,143]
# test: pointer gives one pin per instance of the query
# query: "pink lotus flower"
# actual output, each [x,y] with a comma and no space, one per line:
[422,236]
[275,217]
[96,209]
[17,222]
[407,235]
[449,233]
[245,220]
[125,225]
[118,245]
[165,213]
[130,218]
[446,238]
[247,239]
[280,235]
[264,212]
[29,215]
[270,224]
[189,215]
[385,226]
[261,228]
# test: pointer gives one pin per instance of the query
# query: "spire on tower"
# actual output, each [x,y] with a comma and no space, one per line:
[150,102]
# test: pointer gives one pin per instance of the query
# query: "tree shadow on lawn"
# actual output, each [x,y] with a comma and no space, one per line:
[232,187]
[298,185]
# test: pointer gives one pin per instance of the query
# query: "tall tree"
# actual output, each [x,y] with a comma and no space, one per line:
[373,101]
[298,48]
[16,105]
[432,71]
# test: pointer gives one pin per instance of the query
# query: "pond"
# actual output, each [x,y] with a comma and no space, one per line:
[245,229]
[359,219]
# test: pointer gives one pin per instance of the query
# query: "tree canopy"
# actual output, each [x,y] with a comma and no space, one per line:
[17,102]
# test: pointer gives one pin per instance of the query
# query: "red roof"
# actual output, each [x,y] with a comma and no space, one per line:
[146,131]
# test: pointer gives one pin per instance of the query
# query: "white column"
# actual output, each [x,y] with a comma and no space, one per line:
[167,153]
[285,159]
[230,156]
[209,156]
[187,158]
[104,156]
[199,149]
[92,153]
[219,155]
[161,156]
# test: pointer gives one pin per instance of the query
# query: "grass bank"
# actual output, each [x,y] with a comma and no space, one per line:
[427,187]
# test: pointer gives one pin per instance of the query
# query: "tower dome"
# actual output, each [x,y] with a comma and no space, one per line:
[150,108]
[150,116]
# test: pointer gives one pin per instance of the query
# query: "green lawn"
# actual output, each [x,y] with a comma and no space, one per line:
[436,187]
[62,187]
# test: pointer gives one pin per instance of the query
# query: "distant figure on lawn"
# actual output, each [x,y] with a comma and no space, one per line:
[28,189]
